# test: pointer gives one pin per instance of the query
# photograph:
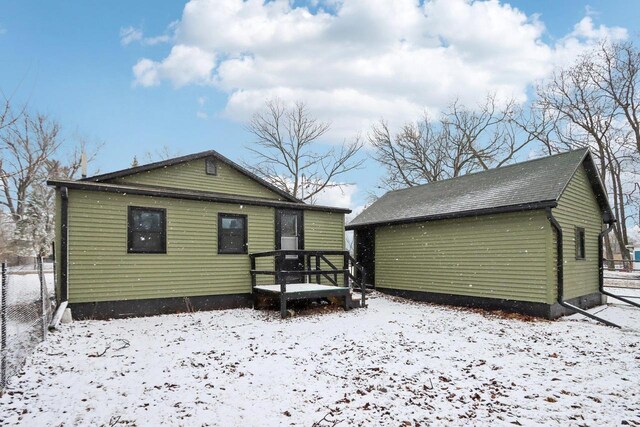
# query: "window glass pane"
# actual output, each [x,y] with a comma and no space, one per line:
[146,241]
[232,242]
[147,220]
[289,225]
[289,243]
[580,246]
[232,223]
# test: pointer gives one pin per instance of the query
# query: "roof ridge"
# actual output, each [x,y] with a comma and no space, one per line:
[187,158]
[152,165]
[532,184]
[491,170]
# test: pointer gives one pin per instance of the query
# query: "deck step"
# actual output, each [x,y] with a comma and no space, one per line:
[355,300]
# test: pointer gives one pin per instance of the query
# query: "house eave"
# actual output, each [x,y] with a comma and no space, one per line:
[463,214]
[189,195]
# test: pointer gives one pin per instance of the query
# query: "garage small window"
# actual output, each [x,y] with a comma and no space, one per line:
[147,230]
[211,167]
[580,251]
[232,233]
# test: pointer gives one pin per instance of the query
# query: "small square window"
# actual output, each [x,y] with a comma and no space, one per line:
[147,231]
[211,166]
[232,234]
[580,246]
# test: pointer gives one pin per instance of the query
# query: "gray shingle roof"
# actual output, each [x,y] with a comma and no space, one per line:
[527,185]
[176,160]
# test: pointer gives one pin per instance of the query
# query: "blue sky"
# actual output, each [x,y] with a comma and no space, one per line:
[68,60]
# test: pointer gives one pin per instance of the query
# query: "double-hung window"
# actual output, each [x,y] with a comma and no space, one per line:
[147,230]
[232,233]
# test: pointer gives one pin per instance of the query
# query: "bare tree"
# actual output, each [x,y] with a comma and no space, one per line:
[539,123]
[418,153]
[615,69]
[27,144]
[70,166]
[7,228]
[594,103]
[463,140]
[163,153]
[30,152]
[287,153]
[8,114]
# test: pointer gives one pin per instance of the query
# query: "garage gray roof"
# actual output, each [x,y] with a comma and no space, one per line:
[534,184]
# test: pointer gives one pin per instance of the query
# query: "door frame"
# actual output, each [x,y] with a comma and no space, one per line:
[295,264]
[364,241]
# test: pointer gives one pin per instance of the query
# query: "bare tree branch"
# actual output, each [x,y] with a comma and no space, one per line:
[594,103]
[463,140]
[285,146]
[30,148]
[163,153]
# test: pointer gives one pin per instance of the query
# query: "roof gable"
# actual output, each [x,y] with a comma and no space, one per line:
[533,184]
[188,172]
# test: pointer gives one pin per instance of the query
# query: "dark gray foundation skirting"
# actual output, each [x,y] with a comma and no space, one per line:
[151,307]
[547,311]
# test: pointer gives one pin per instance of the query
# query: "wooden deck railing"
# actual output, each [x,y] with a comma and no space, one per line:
[313,270]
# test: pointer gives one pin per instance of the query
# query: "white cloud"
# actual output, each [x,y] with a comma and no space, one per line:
[364,59]
[146,72]
[585,35]
[129,35]
[586,30]
[355,212]
[337,196]
[132,34]
[184,65]
[201,114]
[151,41]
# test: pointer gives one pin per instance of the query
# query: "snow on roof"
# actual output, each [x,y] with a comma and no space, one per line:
[527,185]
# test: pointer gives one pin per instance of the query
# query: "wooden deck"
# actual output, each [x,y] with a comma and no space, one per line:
[301,291]
[300,288]
[321,269]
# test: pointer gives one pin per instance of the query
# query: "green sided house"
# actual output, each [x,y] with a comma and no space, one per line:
[524,237]
[180,234]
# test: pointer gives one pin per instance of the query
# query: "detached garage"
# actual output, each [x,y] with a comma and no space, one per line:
[524,237]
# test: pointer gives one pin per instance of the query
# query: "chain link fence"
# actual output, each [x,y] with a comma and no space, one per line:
[26,308]
[621,274]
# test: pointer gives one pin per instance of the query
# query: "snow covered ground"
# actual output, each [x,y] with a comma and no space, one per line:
[629,279]
[24,286]
[395,363]
[23,296]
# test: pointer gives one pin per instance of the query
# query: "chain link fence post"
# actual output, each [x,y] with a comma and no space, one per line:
[43,290]
[3,321]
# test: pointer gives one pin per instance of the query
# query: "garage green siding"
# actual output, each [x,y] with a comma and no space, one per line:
[325,230]
[578,207]
[100,269]
[192,176]
[495,256]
